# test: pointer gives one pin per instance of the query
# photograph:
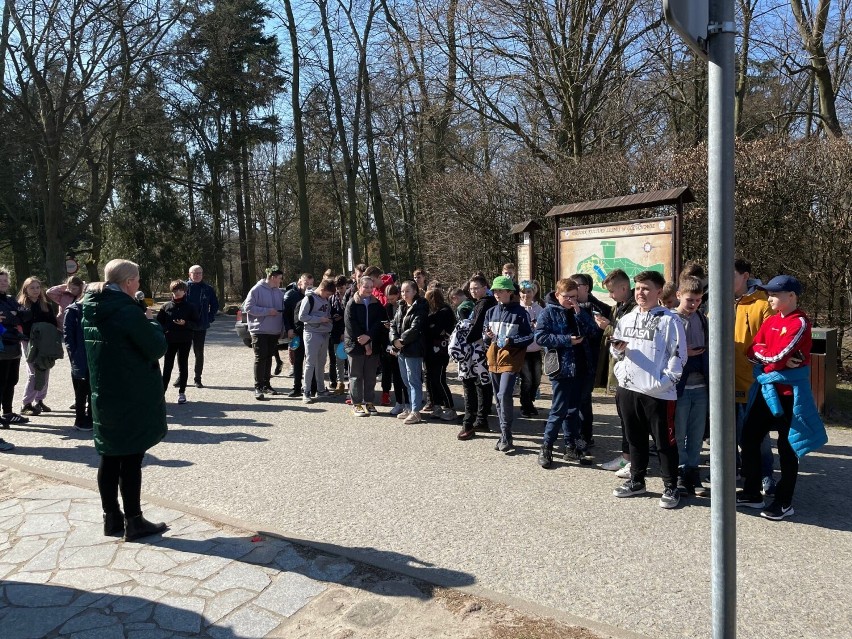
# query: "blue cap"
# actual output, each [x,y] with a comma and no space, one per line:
[783,283]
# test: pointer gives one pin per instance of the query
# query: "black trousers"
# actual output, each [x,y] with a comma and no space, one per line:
[392,378]
[477,402]
[643,416]
[82,400]
[436,379]
[587,418]
[9,372]
[759,422]
[198,338]
[181,350]
[121,472]
[530,380]
[264,346]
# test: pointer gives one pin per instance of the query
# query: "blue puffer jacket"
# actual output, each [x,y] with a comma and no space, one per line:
[553,330]
[807,432]
[75,344]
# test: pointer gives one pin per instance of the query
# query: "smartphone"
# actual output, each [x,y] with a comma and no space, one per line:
[596,312]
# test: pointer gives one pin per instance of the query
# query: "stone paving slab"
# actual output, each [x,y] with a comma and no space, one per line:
[205,580]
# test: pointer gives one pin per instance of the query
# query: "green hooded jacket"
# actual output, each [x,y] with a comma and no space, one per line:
[123,348]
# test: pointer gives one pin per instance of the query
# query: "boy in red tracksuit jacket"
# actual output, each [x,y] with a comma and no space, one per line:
[783,342]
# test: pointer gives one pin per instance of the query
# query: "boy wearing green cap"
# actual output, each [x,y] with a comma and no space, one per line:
[507,334]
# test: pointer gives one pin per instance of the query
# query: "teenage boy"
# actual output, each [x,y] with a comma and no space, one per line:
[315,315]
[292,298]
[649,346]
[751,310]
[780,399]
[692,393]
[594,307]
[264,306]
[506,333]
[617,283]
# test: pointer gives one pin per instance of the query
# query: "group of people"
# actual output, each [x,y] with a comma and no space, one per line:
[651,344]
[114,344]
[498,331]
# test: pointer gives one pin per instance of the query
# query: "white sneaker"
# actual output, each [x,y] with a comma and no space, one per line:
[615,464]
[404,414]
[396,410]
[413,418]
[624,473]
[181,398]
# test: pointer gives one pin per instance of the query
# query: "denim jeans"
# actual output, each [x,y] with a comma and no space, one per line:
[411,369]
[564,411]
[690,418]
[766,459]
[503,385]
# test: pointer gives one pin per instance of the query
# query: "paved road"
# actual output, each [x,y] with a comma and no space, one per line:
[461,514]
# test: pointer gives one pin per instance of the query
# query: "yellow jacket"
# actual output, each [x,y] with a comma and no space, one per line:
[751,310]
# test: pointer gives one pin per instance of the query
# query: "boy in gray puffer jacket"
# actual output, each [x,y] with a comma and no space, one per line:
[315,313]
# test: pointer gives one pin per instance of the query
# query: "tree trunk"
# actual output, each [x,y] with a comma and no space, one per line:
[299,136]
[251,227]
[236,169]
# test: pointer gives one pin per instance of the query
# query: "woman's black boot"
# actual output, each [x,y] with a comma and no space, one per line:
[114,524]
[138,526]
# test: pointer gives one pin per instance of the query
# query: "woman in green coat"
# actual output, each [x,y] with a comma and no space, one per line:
[123,347]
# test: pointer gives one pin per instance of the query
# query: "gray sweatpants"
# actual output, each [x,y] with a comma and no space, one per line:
[362,378]
[316,355]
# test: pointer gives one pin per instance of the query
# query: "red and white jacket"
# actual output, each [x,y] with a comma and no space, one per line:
[778,340]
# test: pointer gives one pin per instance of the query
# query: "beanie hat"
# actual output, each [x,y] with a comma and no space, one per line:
[503,283]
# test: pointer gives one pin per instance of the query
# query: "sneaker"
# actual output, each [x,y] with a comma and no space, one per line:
[684,482]
[181,398]
[775,511]
[358,410]
[529,413]
[278,368]
[198,384]
[42,407]
[14,418]
[295,393]
[29,409]
[348,401]
[5,446]
[467,432]
[505,446]
[307,399]
[482,427]
[268,390]
[404,414]
[670,498]
[340,389]
[73,406]
[545,456]
[436,413]
[385,399]
[749,501]
[768,488]
[630,488]
[176,384]
[258,395]
[412,418]
[396,410]
[700,489]
[428,408]
[624,473]
[3,423]
[84,426]
[615,464]
[450,415]
[371,408]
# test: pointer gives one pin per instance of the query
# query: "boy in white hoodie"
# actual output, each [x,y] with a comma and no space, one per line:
[649,346]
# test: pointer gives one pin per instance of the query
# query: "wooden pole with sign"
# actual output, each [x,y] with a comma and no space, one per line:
[524,251]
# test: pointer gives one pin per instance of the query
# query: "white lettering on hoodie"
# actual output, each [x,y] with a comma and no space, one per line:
[655,355]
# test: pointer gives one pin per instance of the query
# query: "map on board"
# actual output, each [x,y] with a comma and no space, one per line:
[636,246]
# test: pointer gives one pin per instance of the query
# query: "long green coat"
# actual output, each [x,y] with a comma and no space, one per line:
[123,348]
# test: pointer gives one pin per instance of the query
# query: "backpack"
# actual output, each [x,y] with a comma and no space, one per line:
[309,297]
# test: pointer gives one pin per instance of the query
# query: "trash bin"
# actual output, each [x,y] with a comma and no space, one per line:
[824,367]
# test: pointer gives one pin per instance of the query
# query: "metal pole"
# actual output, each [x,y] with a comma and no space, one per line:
[721,266]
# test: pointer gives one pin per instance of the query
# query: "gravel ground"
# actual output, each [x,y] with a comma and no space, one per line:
[460,514]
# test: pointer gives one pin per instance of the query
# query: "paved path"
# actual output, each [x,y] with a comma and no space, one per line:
[463,515]
[61,578]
